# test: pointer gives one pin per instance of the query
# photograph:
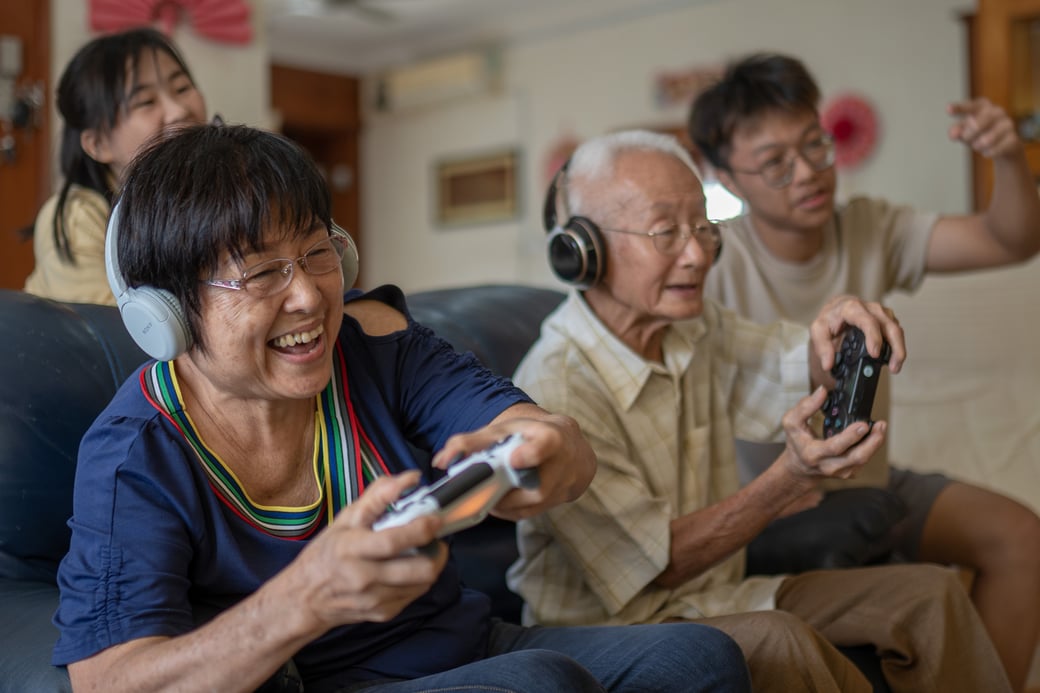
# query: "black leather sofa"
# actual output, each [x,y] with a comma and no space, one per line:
[59,366]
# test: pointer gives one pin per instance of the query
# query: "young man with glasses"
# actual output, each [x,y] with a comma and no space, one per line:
[660,380]
[794,247]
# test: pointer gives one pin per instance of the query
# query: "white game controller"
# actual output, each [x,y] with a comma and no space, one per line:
[471,488]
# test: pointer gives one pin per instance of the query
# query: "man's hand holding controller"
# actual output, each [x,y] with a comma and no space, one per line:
[464,496]
[843,449]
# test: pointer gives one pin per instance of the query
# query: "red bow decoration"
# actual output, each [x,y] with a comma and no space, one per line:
[220,20]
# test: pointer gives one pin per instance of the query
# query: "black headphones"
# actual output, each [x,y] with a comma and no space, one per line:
[153,316]
[575,248]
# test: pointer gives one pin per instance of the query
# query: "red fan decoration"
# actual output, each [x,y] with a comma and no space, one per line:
[226,21]
[851,121]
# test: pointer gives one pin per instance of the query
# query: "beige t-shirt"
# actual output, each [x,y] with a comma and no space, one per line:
[870,249]
[663,436]
[86,216]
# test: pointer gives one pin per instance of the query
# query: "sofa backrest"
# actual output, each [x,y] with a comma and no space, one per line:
[59,366]
[497,322]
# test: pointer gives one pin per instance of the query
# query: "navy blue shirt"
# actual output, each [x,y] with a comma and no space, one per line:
[154,549]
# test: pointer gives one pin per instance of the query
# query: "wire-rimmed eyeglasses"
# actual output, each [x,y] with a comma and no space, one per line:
[778,171]
[672,240]
[271,276]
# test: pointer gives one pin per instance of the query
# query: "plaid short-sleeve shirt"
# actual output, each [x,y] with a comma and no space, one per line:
[663,435]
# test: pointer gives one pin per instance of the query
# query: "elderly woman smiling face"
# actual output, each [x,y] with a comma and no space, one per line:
[258,275]
[269,332]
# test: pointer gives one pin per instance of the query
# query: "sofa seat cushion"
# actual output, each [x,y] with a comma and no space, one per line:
[29,637]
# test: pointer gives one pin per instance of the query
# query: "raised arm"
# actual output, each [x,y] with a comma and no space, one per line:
[1008,231]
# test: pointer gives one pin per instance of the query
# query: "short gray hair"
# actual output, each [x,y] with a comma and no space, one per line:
[594,160]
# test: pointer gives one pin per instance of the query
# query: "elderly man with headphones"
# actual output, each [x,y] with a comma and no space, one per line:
[661,380]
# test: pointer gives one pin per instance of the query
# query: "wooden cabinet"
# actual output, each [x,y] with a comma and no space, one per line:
[1004,40]
[321,113]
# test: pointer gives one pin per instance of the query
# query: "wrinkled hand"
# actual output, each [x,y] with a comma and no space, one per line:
[839,456]
[985,127]
[552,443]
[350,573]
[877,322]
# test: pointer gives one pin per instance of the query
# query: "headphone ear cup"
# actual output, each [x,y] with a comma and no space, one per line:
[576,252]
[349,263]
[156,321]
[153,317]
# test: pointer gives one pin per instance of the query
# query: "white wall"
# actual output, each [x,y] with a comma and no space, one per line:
[968,400]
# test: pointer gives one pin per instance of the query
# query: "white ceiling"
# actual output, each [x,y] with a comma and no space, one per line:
[365,36]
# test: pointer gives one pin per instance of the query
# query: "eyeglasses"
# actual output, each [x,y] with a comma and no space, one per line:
[778,171]
[271,276]
[672,241]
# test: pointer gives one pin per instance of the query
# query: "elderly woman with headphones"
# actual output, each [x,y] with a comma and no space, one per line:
[222,532]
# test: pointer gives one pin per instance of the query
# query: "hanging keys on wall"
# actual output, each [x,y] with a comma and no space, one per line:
[21,105]
[8,149]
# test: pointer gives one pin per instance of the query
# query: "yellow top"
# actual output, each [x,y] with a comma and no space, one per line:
[86,217]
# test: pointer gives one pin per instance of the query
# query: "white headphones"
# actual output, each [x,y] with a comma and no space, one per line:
[154,317]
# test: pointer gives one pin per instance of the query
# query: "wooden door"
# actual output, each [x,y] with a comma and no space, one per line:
[1004,41]
[320,112]
[24,150]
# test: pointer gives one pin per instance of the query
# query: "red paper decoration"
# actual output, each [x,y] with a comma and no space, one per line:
[851,121]
[226,21]
[558,155]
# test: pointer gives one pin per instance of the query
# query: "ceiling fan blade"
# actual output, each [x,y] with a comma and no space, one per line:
[366,9]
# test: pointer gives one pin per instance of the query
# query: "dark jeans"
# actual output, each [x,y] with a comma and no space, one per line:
[667,657]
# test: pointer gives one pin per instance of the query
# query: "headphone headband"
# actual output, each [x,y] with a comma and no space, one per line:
[552,198]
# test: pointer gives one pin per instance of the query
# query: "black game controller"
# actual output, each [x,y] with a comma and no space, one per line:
[856,375]
[463,498]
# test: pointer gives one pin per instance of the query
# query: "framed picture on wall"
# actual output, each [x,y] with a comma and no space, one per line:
[477,189]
